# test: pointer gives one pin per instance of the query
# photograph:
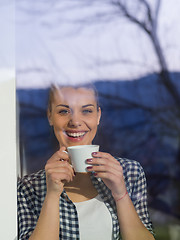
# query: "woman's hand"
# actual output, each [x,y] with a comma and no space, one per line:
[58,171]
[110,171]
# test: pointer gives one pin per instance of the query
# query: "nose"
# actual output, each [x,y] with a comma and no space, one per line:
[75,120]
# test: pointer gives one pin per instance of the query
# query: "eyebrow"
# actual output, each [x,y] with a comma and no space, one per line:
[84,106]
[62,105]
[88,105]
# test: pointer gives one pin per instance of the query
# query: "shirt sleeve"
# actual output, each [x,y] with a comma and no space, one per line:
[139,198]
[27,215]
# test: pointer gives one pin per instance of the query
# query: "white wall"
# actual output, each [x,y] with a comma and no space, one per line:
[8,175]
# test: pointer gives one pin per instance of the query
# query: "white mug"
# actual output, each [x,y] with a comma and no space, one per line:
[79,154]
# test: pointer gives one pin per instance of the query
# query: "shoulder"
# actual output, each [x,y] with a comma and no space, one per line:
[131,168]
[129,165]
[33,182]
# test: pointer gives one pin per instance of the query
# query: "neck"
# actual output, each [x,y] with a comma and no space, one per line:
[80,181]
[81,188]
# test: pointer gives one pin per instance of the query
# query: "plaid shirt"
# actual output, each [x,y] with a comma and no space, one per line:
[32,191]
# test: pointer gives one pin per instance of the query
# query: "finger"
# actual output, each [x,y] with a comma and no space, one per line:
[107,176]
[59,164]
[105,156]
[104,162]
[64,150]
[70,171]
[105,168]
[60,171]
[98,170]
[60,177]
[117,185]
[59,155]
[63,155]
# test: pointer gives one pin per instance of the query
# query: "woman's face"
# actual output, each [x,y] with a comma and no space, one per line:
[74,116]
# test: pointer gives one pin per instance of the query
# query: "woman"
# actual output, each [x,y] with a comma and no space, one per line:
[107,202]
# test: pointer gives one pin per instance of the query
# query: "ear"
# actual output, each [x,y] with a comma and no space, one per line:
[99,116]
[49,117]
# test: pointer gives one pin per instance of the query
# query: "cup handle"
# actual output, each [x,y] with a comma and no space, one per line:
[68,155]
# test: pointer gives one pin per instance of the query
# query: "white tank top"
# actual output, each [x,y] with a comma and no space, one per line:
[95,220]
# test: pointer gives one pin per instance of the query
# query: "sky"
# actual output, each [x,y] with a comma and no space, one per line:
[51,46]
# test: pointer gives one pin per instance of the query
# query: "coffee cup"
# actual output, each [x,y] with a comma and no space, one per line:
[79,154]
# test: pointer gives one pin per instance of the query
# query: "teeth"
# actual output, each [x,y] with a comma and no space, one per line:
[76,134]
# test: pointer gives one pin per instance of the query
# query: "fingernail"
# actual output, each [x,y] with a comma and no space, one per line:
[94,153]
[89,160]
[89,168]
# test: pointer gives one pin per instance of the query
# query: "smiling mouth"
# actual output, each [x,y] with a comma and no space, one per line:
[75,134]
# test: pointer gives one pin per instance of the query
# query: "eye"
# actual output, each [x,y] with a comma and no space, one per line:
[63,111]
[87,111]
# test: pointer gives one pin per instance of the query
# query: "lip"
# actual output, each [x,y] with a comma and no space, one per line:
[75,136]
